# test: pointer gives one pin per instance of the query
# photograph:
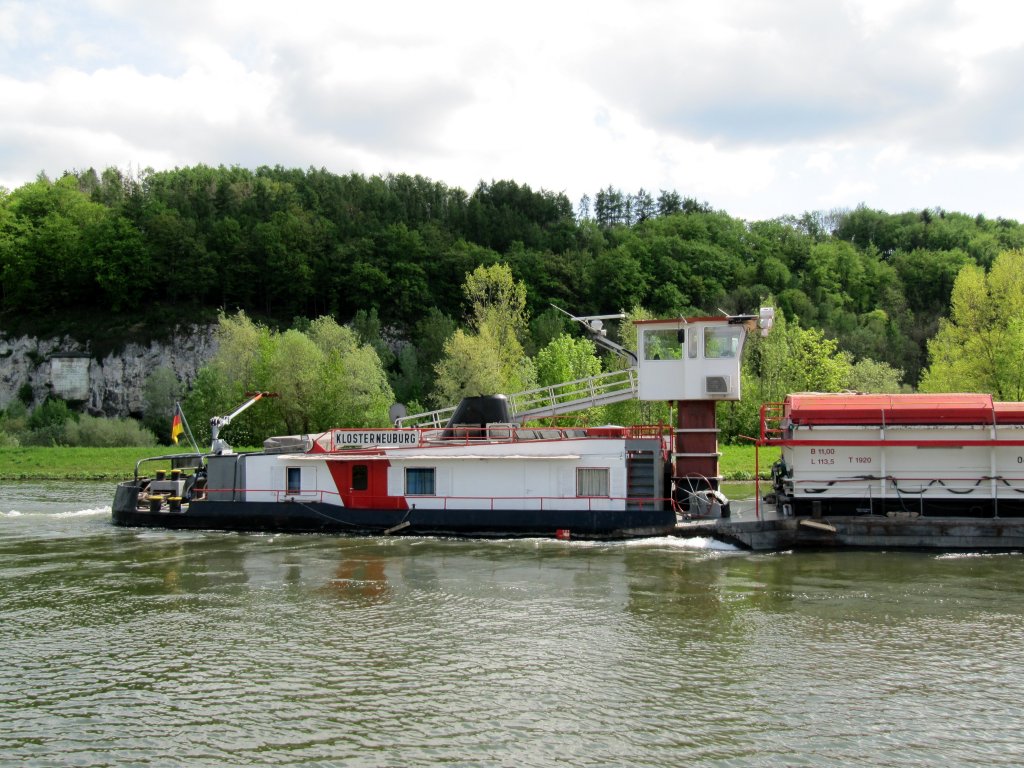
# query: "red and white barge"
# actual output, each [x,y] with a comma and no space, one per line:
[925,471]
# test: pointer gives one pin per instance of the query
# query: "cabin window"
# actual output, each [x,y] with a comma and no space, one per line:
[693,345]
[662,345]
[722,342]
[294,479]
[592,481]
[360,477]
[419,481]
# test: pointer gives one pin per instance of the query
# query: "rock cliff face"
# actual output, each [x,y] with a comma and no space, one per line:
[108,387]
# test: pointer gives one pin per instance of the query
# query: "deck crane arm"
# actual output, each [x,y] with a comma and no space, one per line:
[219,446]
[597,333]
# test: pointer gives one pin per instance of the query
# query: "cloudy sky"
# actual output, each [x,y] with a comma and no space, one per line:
[759,107]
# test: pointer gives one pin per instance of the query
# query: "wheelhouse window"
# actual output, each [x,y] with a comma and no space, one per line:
[662,345]
[419,481]
[360,477]
[592,481]
[722,342]
[294,479]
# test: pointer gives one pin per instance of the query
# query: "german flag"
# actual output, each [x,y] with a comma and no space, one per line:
[176,428]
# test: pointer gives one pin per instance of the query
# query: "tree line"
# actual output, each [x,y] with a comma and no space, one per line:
[397,260]
[284,243]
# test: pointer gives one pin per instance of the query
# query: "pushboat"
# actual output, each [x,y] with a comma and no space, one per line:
[481,471]
[481,475]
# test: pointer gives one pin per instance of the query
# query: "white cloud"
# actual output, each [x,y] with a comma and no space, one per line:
[760,108]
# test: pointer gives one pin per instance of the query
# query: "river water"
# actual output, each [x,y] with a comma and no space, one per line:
[159,648]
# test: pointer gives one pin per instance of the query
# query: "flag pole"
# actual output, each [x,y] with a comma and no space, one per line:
[188,430]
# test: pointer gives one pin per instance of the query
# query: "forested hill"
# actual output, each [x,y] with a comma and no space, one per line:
[283,243]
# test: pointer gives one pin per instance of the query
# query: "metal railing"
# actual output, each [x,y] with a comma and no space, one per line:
[387,503]
[567,397]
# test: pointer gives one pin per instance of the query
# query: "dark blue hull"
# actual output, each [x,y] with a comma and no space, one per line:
[315,517]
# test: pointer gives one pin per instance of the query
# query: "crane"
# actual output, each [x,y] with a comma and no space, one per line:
[219,446]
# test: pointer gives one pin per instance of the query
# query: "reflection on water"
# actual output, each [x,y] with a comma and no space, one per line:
[202,648]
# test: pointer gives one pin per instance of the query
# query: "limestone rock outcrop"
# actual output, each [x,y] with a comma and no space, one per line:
[111,386]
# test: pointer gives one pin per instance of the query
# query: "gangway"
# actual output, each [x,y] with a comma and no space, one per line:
[567,397]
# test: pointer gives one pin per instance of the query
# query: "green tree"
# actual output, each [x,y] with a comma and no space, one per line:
[490,358]
[212,394]
[980,347]
[368,328]
[48,423]
[242,350]
[566,358]
[430,335]
[120,264]
[869,375]
[409,380]
[496,298]
[471,366]
[352,388]
[293,373]
[322,377]
[546,327]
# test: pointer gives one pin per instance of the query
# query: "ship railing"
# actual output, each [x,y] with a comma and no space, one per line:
[177,460]
[339,441]
[576,395]
[772,426]
[541,503]
[387,503]
[555,400]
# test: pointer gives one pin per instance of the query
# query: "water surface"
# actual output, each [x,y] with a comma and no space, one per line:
[143,647]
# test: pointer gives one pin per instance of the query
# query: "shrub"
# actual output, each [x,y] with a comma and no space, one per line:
[46,435]
[52,413]
[94,432]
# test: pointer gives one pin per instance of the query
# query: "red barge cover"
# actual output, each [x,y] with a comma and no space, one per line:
[814,409]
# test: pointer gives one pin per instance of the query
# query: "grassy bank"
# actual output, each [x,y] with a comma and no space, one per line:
[737,462]
[71,463]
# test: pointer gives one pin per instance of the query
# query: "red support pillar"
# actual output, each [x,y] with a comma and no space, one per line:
[696,448]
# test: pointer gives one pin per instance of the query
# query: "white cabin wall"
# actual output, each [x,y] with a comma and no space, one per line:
[266,479]
[468,483]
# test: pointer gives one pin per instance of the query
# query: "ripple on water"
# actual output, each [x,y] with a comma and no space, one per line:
[164,648]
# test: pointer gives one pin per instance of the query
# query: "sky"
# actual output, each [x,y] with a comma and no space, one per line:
[761,108]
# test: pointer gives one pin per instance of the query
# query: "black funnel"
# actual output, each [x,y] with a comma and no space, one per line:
[473,414]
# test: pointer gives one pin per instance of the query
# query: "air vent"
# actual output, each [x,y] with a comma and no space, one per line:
[716,385]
